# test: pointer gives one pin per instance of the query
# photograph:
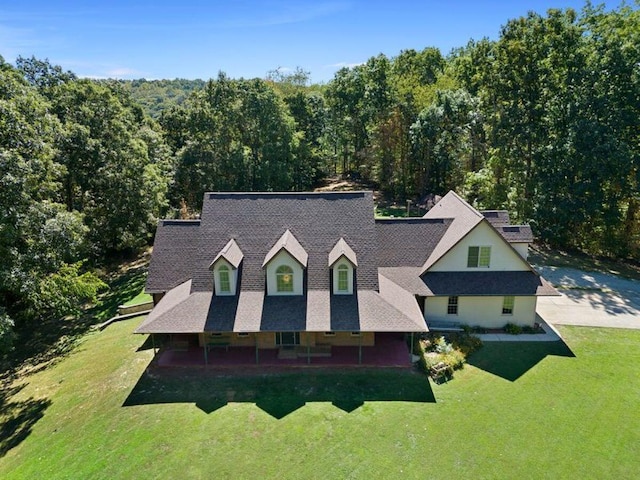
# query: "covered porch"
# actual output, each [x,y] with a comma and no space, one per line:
[390,350]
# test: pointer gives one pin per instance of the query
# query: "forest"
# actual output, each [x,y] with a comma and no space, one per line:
[544,122]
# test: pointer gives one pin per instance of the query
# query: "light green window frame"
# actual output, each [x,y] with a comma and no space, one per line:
[224,280]
[343,278]
[485,257]
[284,278]
[507,305]
[479,257]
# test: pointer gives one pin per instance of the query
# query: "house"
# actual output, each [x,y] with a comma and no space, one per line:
[301,273]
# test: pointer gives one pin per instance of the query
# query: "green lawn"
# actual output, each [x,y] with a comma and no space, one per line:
[141,297]
[517,411]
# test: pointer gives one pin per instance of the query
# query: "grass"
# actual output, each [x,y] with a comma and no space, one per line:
[141,297]
[527,410]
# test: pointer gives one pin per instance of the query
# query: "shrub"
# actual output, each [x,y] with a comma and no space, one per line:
[513,329]
[465,342]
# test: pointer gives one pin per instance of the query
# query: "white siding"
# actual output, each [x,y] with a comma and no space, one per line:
[522,249]
[482,311]
[503,257]
[283,258]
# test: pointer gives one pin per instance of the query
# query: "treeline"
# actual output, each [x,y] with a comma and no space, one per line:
[543,121]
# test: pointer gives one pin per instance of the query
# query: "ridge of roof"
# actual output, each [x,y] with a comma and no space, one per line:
[291,244]
[231,253]
[342,248]
[464,220]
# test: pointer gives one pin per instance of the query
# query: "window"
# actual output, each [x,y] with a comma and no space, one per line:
[329,334]
[284,279]
[479,257]
[355,334]
[452,306]
[343,278]
[225,283]
[507,305]
[243,334]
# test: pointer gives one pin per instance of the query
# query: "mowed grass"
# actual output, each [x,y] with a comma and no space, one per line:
[520,410]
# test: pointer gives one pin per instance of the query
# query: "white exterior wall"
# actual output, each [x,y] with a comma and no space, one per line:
[283,258]
[481,311]
[233,278]
[522,249]
[503,258]
[343,261]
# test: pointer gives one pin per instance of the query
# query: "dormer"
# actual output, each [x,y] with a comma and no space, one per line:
[342,262]
[284,266]
[225,269]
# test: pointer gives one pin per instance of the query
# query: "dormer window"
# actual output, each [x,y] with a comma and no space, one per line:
[223,279]
[342,262]
[284,279]
[225,269]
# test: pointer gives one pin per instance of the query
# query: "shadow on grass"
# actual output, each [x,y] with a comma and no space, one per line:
[511,360]
[282,393]
[17,417]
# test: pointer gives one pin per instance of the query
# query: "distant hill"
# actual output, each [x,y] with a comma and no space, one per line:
[158,95]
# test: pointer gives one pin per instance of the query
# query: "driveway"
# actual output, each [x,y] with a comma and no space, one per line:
[590,299]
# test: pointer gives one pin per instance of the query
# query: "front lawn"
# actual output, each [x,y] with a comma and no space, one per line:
[520,410]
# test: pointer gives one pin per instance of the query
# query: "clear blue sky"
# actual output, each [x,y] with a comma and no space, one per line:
[196,39]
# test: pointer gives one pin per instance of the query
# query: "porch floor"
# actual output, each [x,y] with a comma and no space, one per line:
[390,350]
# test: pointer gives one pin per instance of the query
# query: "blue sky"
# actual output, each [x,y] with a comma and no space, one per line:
[196,39]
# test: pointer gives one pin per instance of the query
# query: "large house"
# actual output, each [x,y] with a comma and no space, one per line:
[316,270]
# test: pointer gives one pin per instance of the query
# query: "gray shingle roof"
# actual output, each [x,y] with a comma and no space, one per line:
[496,217]
[174,254]
[516,233]
[290,244]
[408,241]
[487,283]
[341,249]
[231,253]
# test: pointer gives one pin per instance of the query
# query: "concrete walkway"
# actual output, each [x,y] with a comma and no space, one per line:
[590,299]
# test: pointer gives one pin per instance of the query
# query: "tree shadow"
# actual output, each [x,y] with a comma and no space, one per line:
[511,360]
[17,417]
[280,394]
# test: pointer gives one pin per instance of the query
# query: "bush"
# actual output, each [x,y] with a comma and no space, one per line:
[7,335]
[513,329]
[465,342]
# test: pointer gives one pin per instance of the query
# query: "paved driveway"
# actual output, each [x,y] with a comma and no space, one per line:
[590,299]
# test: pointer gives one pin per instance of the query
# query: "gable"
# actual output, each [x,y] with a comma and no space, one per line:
[503,256]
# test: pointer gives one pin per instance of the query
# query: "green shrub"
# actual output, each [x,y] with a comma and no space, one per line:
[513,329]
[465,342]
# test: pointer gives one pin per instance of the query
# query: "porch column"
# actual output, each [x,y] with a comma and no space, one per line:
[360,349]
[206,356]
[255,335]
[308,348]
[411,349]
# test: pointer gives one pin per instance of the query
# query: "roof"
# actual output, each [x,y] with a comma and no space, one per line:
[516,233]
[496,217]
[465,218]
[487,283]
[408,241]
[290,244]
[342,249]
[174,254]
[231,253]
[430,284]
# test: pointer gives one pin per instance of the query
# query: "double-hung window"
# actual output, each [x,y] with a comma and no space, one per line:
[452,306]
[284,278]
[479,257]
[507,305]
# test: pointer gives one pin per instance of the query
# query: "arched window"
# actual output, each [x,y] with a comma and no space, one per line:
[343,278]
[284,279]
[223,276]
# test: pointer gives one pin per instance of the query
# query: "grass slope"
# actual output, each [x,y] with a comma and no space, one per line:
[518,411]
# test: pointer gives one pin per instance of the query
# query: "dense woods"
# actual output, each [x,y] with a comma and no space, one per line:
[543,121]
